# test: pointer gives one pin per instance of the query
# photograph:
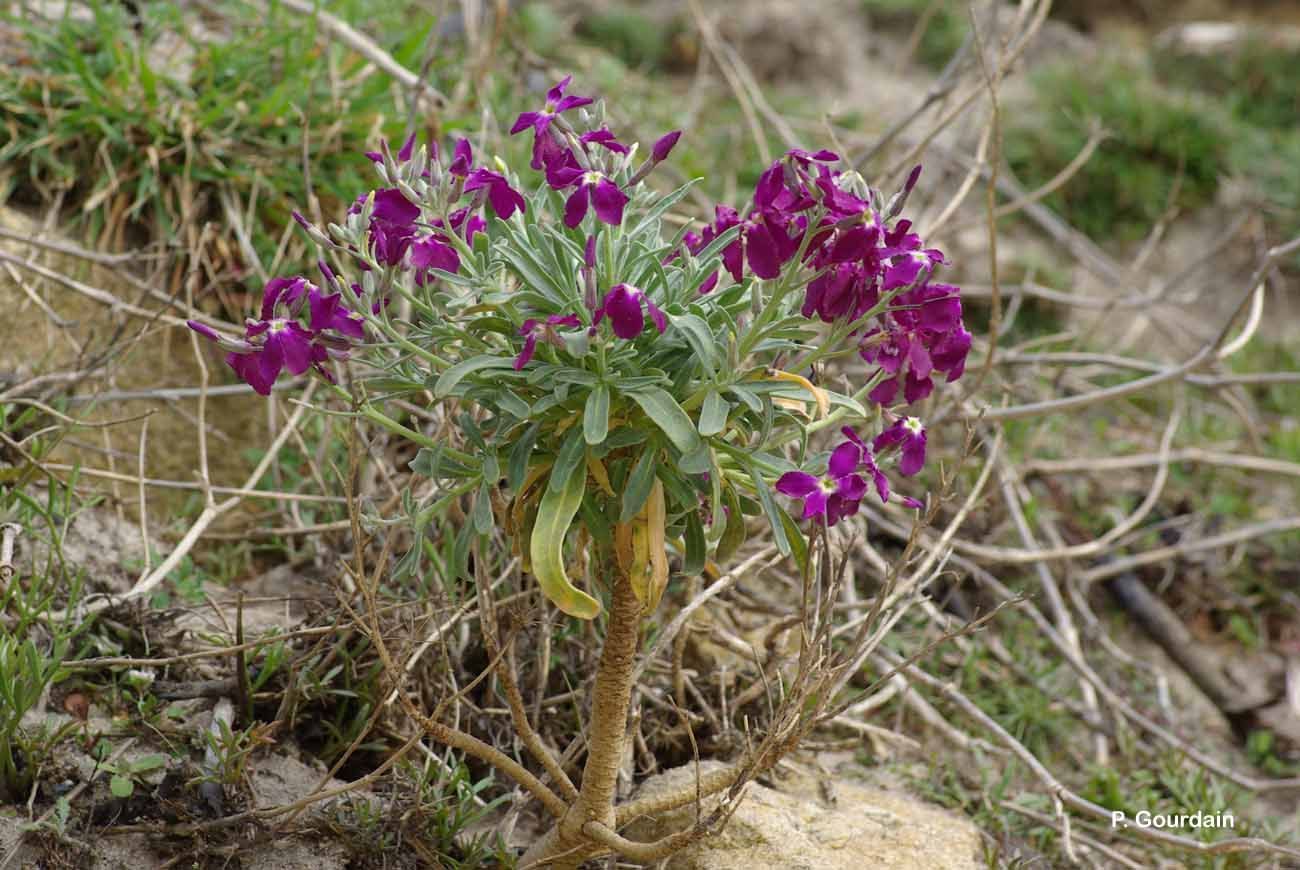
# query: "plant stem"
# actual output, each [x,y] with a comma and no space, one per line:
[567,846]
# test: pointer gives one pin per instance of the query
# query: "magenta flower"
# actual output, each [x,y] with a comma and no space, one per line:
[867,460]
[503,198]
[604,138]
[923,334]
[591,188]
[545,144]
[392,224]
[464,224]
[403,154]
[622,305]
[903,269]
[329,312]
[533,330]
[289,292]
[764,242]
[908,434]
[284,344]
[836,494]
[462,159]
[433,252]
[391,206]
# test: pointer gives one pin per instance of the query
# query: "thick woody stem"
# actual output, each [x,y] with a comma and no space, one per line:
[611,697]
[567,845]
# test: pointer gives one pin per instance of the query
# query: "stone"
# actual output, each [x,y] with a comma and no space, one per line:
[858,826]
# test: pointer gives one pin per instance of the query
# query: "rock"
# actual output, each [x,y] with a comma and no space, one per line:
[57,341]
[295,853]
[281,779]
[775,829]
[106,548]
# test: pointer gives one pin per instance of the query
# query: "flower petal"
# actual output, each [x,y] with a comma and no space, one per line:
[844,460]
[796,484]
[609,201]
[623,306]
[656,316]
[575,208]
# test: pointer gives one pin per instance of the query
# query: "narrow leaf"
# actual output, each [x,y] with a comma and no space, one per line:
[694,562]
[665,413]
[517,465]
[700,338]
[595,417]
[770,508]
[713,415]
[483,509]
[457,373]
[571,455]
[638,486]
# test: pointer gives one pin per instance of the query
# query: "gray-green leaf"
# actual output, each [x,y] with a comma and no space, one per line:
[457,373]
[713,415]
[665,413]
[595,417]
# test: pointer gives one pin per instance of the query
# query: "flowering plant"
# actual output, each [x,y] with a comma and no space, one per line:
[636,390]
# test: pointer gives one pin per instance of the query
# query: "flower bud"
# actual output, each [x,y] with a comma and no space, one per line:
[664,146]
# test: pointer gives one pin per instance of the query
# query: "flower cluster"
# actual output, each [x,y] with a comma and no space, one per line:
[397,234]
[838,493]
[860,261]
[278,340]
[583,164]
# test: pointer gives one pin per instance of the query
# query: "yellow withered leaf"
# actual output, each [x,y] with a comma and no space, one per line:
[649,568]
[819,395]
[546,548]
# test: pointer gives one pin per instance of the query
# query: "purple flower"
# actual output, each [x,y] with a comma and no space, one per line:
[464,224]
[592,189]
[605,139]
[403,155]
[393,207]
[556,102]
[836,494]
[392,224]
[462,160]
[867,460]
[922,334]
[433,252]
[622,305]
[284,344]
[503,198]
[278,341]
[545,145]
[329,312]
[908,434]
[903,269]
[289,292]
[532,330]
[764,242]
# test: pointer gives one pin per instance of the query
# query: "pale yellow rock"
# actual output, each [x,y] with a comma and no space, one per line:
[860,827]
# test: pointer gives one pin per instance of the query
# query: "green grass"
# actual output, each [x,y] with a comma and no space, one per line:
[93,117]
[1259,83]
[1166,148]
